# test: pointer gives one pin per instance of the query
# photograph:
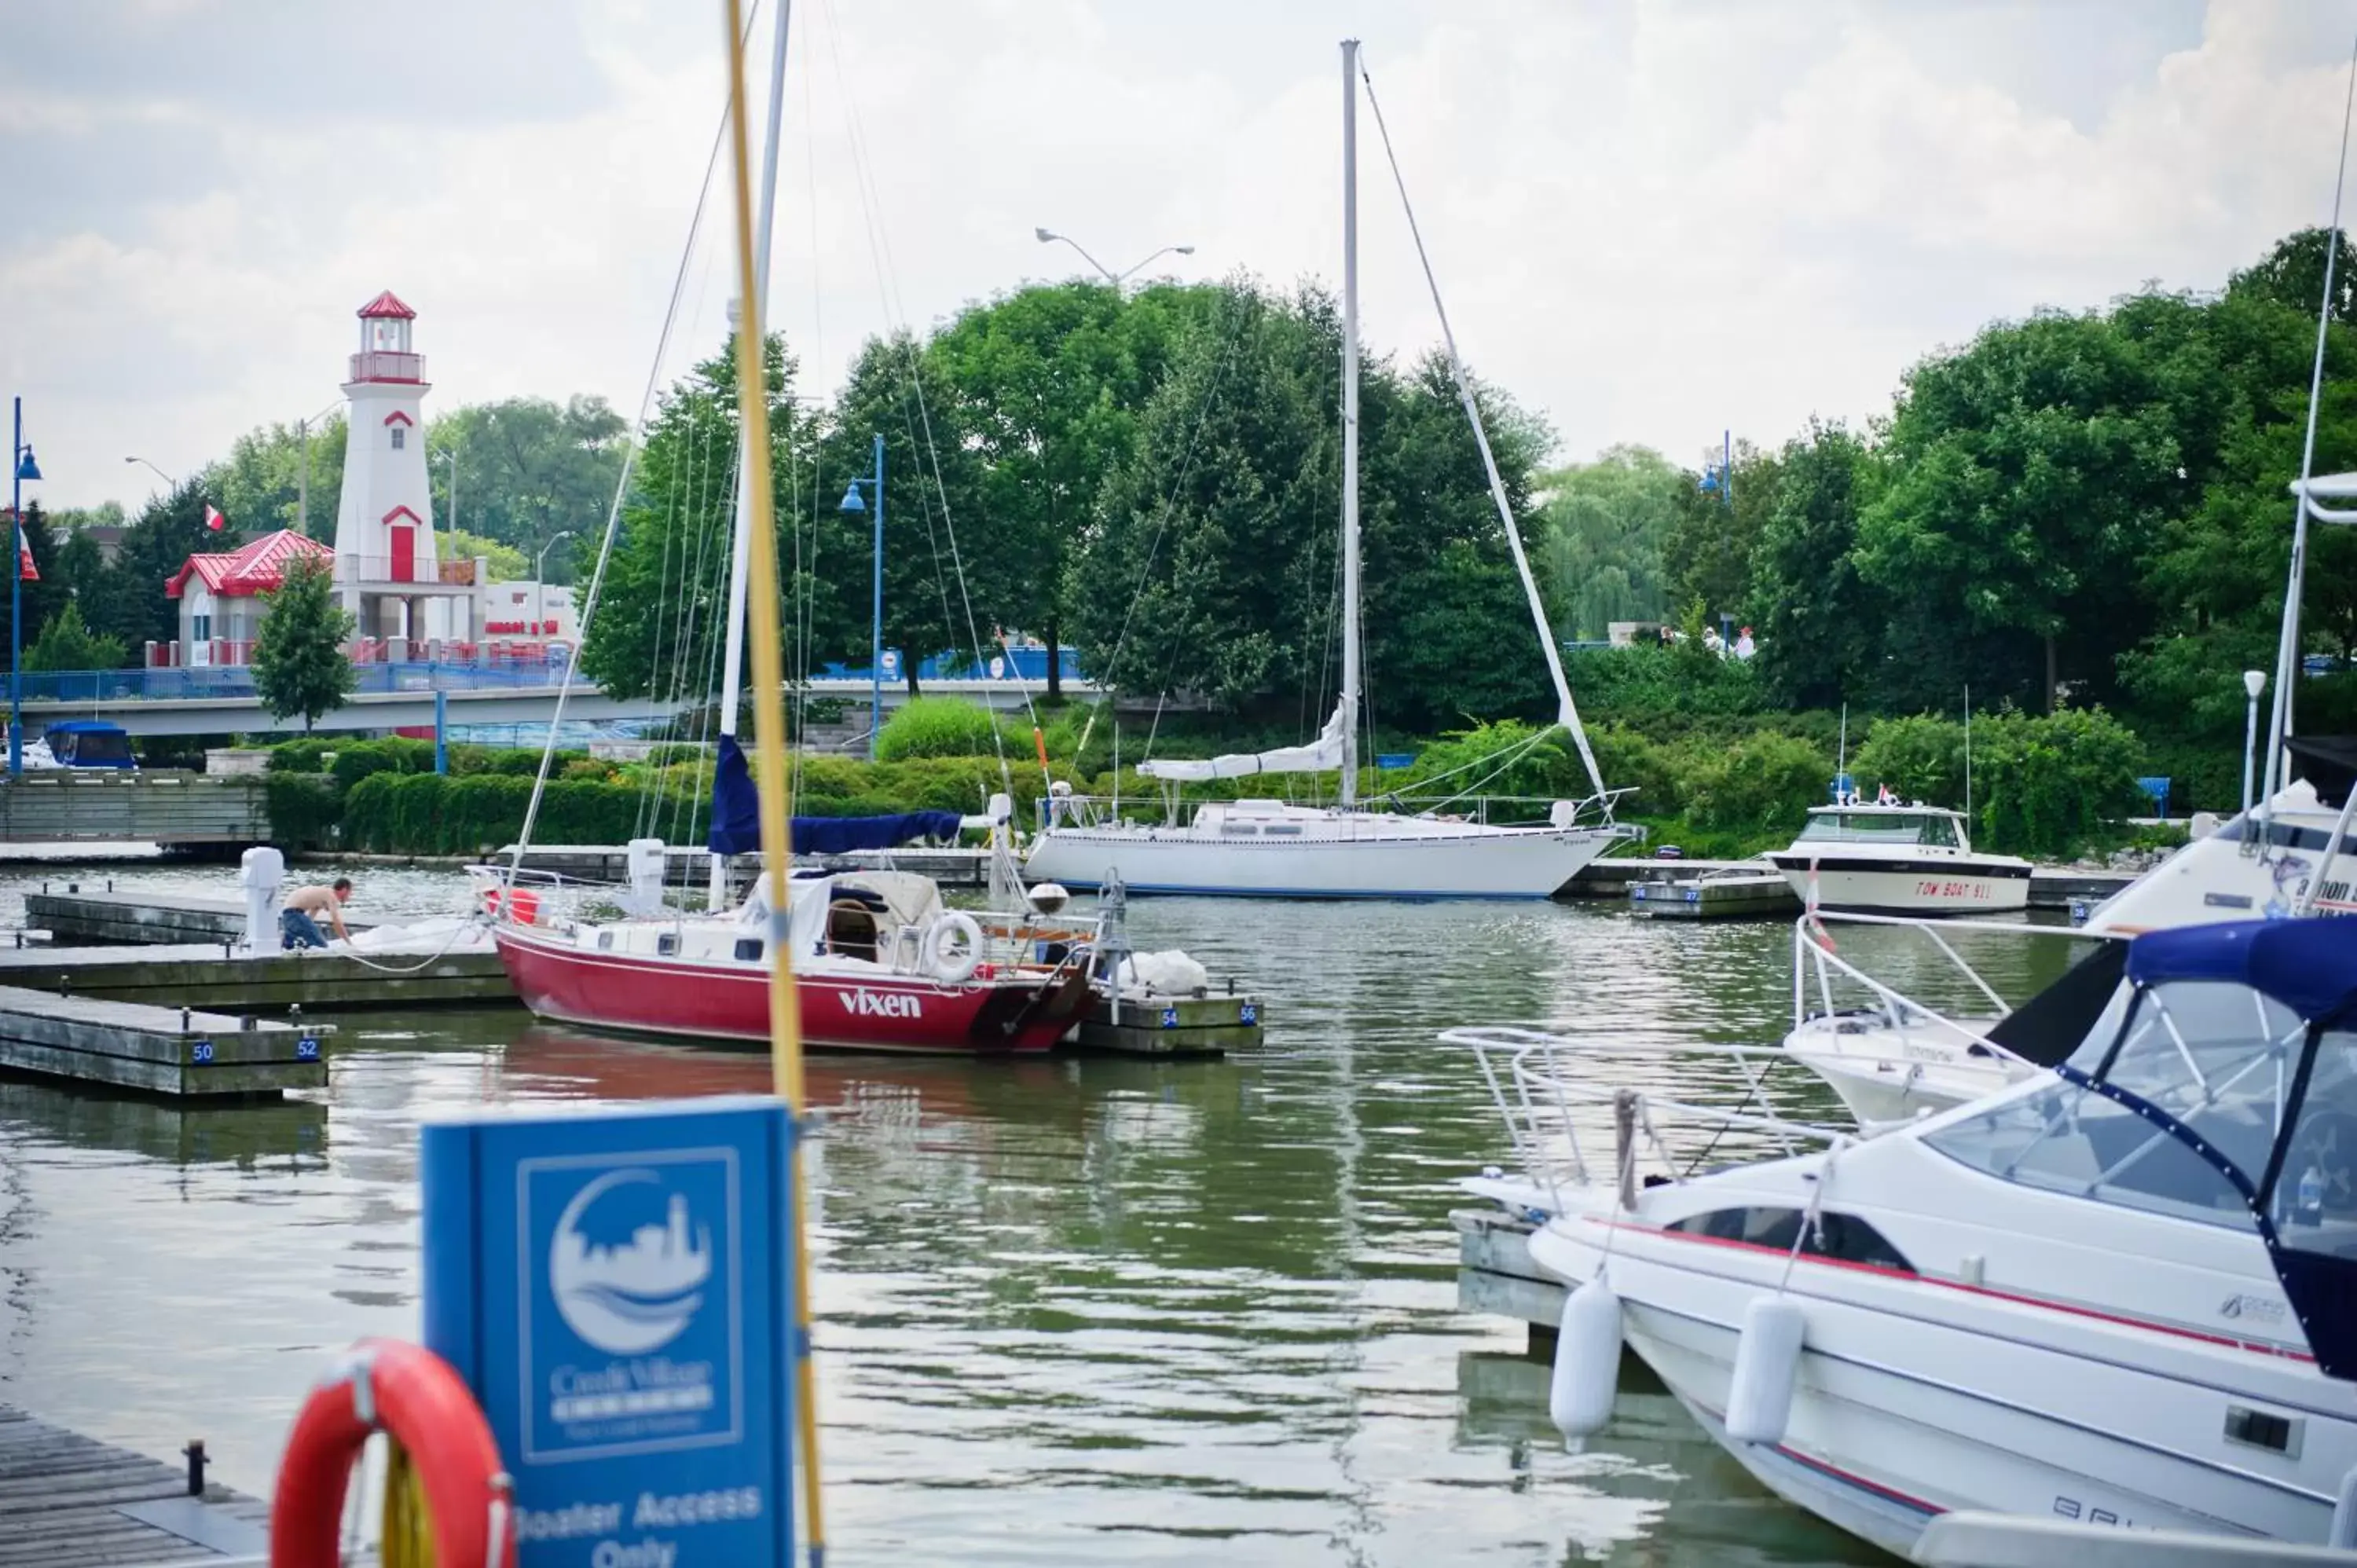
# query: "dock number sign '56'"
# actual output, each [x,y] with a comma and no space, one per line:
[612,1288]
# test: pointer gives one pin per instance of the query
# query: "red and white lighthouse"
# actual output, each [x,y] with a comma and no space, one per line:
[385,521]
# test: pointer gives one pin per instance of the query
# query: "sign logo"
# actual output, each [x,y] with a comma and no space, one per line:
[629,1298]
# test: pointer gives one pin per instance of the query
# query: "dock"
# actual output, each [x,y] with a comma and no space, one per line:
[220,975]
[1206,1023]
[1721,895]
[166,808]
[177,1053]
[67,1499]
[2051,887]
[1495,1275]
[73,912]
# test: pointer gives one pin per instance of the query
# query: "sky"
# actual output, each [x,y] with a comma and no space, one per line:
[1652,222]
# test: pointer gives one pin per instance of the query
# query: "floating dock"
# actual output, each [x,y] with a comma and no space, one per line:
[72,912]
[1205,1025]
[228,978]
[178,1053]
[1495,1275]
[2051,887]
[69,1499]
[1720,895]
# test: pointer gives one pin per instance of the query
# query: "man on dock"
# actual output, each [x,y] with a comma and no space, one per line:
[299,923]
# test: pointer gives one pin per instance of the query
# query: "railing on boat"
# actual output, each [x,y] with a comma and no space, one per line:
[1066,810]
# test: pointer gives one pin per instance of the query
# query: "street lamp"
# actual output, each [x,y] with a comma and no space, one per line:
[1116,279]
[303,470]
[21,468]
[539,565]
[2254,682]
[852,502]
[450,455]
[159,473]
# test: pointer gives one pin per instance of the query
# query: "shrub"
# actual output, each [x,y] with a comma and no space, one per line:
[2048,786]
[1765,785]
[1475,761]
[304,808]
[1630,761]
[304,755]
[938,726]
[1921,758]
[356,760]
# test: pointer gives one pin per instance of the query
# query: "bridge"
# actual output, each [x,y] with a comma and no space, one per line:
[221,700]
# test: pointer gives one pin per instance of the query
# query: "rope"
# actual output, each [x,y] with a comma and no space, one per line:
[465,928]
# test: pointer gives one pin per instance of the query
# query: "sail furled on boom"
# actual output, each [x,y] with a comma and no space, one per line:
[1323,754]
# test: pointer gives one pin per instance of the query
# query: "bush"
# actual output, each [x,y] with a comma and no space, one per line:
[356,760]
[1475,761]
[2048,786]
[429,814]
[304,755]
[1764,785]
[1646,681]
[938,726]
[305,808]
[1630,761]
[1921,758]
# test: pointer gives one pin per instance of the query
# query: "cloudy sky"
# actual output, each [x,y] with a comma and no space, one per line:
[1653,219]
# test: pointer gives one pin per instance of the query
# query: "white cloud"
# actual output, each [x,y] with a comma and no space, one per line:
[1653,219]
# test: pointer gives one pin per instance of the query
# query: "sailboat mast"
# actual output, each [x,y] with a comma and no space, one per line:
[1350,672]
[732,671]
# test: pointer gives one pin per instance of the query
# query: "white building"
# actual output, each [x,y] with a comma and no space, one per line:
[408,602]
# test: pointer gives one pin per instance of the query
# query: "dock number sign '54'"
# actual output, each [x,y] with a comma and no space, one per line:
[612,1288]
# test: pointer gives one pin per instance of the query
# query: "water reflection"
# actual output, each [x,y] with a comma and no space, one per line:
[1070,1309]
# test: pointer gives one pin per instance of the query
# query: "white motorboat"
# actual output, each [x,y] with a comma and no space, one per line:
[1899,859]
[1271,849]
[2117,1292]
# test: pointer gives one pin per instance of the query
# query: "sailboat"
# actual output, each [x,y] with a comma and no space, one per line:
[879,961]
[1269,848]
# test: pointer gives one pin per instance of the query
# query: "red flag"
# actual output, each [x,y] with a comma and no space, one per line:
[26,570]
[213,518]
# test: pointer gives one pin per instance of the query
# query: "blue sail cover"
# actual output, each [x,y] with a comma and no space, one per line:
[736,818]
[2310,966]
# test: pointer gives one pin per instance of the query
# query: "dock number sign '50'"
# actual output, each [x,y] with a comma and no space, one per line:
[611,1288]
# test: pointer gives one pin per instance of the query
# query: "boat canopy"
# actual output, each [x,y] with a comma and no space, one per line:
[736,818]
[1322,756]
[2310,966]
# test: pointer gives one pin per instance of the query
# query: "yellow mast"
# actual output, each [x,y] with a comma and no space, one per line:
[769,752]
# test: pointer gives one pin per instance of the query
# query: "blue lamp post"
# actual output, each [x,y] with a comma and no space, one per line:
[21,468]
[852,501]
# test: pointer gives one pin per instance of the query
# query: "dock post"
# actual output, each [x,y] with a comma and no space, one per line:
[441,730]
[196,1452]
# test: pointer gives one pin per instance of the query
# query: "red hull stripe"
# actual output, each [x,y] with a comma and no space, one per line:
[1834,1472]
[2043,1303]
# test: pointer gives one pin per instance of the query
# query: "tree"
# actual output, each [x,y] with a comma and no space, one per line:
[299,662]
[1819,619]
[1598,537]
[42,597]
[1049,381]
[66,643]
[529,469]
[1710,549]
[2292,276]
[168,529]
[261,486]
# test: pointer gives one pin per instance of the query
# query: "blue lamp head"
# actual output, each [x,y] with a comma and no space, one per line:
[852,500]
[25,467]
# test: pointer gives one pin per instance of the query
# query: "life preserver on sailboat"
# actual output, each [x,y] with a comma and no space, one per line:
[949,964]
[523,908]
[413,1396]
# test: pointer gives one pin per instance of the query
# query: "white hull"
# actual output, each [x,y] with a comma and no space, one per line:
[1344,855]
[1914,1399]
[2220,878]
[1885,1075]
[1936,887]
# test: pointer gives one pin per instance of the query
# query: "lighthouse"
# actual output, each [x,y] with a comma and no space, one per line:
[387,570]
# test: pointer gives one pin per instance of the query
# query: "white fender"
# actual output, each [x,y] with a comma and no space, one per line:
[1586,1361]
[2343,1533]
[953,923]
[1766,1365]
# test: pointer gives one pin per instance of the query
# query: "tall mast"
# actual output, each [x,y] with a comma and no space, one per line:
[1350,676]
[732,671]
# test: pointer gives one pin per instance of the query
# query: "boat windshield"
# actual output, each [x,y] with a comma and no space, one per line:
[1936,828]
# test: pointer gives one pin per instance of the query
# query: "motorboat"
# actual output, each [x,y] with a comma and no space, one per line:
[2117,1292]
[1898,857]
[1270,848]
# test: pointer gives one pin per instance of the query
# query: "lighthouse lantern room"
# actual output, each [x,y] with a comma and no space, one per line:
[387,568]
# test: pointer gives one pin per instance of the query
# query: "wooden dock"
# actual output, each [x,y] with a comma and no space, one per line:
[162,808]
[178,1053]
[73,912]
[1721,895]
[68,1501]
[231,981]
[1209,1025]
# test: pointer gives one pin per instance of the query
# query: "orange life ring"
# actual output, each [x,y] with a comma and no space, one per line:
[411,1394]
[523,908]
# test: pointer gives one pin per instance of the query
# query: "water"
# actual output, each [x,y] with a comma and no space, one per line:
[1071,1311]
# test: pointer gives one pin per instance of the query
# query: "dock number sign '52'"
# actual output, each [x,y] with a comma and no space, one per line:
[612,1288]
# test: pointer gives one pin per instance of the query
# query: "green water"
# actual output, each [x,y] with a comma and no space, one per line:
[1071,1311]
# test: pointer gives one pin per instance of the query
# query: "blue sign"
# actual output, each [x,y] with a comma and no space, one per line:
[613,1287]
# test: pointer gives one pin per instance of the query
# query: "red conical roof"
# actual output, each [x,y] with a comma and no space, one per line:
[387,304]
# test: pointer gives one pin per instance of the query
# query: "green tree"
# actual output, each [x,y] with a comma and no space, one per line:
[2292,277]
[1049,381]
[1819,619]
[1598,537]
[299,662]
[529,469]
[261,487]
[508,565]
[156,545]
[1710,548]
[44,596]
[66,643]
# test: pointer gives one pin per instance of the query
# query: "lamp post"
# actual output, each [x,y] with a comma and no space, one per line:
[539,565]
[302,468]
[450,455]
[159,473]
[2254,682]
[1116,279]
[21,468]
[852,502]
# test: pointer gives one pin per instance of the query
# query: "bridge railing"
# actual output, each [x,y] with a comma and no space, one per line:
[198,683]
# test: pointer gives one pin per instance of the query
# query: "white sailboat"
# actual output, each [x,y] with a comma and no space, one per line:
[1272,848]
